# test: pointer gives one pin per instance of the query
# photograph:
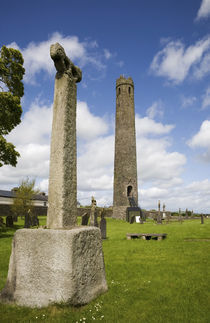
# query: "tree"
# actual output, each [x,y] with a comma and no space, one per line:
[11,91]
[23,202]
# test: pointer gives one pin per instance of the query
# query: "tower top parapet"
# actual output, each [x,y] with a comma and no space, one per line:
[123,80]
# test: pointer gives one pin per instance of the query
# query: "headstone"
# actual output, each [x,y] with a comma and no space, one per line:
[159,217]
[164,207]
[186,214]
[85,218]
[93,218]
[103,225]
[34,220]
[69,266]
[27,222]
[9,221]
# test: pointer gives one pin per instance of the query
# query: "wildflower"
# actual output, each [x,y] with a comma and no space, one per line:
[93,318]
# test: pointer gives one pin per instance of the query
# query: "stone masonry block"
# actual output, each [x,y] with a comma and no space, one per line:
[55,266]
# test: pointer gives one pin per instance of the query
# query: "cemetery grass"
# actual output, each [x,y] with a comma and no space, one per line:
[148,281]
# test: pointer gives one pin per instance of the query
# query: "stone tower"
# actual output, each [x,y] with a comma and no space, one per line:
[125,166]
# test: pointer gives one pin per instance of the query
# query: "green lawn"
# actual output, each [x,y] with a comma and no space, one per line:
[149,281]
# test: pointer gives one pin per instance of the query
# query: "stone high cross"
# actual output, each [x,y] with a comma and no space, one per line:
[62,210]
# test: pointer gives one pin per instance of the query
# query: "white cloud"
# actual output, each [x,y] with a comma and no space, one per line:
[204,10]
[188,101]
[194,196]
[156,109]
[35,126]
[156,164]
[206,99]
[88,125]
[174,61]
[107,54]
[159,169]
[202,137]
[203,68]
[37,55]
[201,140]
[146,126]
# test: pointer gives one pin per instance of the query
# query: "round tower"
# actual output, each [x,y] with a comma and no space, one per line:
[125,166]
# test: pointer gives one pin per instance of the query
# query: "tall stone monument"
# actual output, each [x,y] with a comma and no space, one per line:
[64,263]
[62,196]
[125,166]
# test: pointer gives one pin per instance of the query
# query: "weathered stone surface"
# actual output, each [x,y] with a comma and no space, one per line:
[93,216]
[125,167]
[62,210]
[54,266]
[103,225]
[85,218]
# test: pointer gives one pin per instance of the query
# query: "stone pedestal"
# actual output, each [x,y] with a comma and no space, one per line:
[55,266]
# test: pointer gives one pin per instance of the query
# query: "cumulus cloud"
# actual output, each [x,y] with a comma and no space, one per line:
[175,60]
[202,137]
[89,126]
[204,10]
[203,68]
[201,140]
[156,109]
[35,126]
[156,164]
[146,126]
[159,169]
[37,55]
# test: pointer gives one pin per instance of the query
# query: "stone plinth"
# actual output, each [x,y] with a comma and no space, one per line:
[55,266]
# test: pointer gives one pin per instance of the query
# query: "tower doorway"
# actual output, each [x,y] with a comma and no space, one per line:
[129,191]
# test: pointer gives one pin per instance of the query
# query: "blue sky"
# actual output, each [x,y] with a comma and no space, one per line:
[165,47]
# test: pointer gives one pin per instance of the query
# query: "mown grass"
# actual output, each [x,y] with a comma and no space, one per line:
[149,281]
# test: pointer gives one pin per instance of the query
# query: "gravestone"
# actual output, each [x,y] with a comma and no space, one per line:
[93,216]
[34,220]
[85,218]
[27,222]
[63,263]
[103,225]
[9,221]
[159,217]
[186,214]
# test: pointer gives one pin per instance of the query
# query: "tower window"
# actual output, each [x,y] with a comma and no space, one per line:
[129,191]
[129,90]
[118,90]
